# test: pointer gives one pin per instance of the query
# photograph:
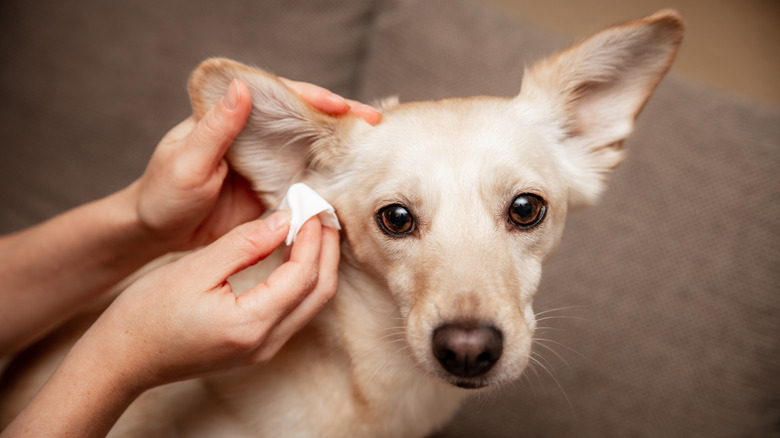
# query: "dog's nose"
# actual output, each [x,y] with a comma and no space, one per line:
[467,349]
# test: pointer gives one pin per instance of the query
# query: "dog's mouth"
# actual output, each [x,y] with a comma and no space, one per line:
[468,383]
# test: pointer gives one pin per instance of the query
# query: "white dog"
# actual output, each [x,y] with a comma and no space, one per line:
[449,210]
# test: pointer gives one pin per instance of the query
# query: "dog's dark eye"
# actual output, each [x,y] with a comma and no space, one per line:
[395,220]
[527,210]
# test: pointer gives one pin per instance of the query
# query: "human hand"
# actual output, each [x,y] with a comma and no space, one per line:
[328,102]
[183,320]
[187,197]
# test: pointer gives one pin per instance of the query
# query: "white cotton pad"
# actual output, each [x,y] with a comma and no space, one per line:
[305,203]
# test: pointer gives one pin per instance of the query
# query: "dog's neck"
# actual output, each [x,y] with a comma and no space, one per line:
[383,372]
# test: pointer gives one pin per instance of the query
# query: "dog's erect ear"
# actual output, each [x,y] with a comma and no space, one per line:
[597,88]
[284,138]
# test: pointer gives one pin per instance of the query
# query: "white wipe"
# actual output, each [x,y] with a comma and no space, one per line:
[305,203]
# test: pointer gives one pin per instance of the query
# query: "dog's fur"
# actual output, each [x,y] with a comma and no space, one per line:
[367,366]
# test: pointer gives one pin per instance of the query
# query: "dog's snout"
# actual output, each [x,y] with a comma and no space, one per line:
[467,349]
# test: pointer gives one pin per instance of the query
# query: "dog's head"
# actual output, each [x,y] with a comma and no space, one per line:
[455,205]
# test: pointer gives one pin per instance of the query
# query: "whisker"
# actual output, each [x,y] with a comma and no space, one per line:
[540,342]
[558,384]
[557,309]
[534,361]
[524,378]
[551,329]
[551,350]
[576,318]
[384,340]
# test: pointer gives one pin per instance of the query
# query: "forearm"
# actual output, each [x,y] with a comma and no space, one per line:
[51,271]
[83,398]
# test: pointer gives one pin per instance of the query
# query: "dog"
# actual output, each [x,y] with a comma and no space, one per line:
[449,210]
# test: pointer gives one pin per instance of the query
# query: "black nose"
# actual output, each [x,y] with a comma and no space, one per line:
[467,349]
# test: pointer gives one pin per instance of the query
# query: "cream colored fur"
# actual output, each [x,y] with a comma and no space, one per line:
[365,367]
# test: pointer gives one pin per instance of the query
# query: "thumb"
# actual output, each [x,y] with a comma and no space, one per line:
[215,132]
[240,248]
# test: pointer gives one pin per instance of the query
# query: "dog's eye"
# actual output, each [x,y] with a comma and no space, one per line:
[527,210]
[395,220]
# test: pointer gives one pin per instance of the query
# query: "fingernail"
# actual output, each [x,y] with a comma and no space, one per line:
[337,100]
[370,114]
[231,97]
[278,219]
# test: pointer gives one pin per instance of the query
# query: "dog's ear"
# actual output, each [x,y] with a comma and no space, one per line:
[284,138]
[596,89]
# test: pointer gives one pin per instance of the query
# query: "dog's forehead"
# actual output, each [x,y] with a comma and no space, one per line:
[470,142]
[450,125]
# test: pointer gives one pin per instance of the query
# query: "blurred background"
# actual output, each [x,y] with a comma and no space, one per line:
[732,45]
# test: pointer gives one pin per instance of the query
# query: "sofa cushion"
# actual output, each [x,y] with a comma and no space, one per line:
[658,314]
[450,49]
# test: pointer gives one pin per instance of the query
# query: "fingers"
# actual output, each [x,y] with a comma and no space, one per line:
[321,98]
[291,281]
[294,281]
[365,112]
[331,103]
[312,304]
[240,248]
[213,134]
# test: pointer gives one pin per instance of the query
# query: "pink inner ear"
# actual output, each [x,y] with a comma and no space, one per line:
[604,113]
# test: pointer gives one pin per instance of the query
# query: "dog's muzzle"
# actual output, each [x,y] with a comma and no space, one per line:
[467,350]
